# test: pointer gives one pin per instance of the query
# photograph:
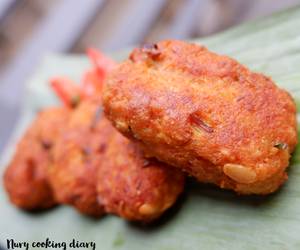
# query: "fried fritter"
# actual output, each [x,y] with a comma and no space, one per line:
[77,156]
[97,169]
[25,179]
[204,113]
[133,187]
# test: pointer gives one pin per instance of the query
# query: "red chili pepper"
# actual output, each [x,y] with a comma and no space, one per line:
[92,83]
[100,61]
[67,91]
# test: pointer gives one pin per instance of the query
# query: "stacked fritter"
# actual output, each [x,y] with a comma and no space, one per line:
[205,114]
[25,178]
[177,104]
[97,169]
[73,155]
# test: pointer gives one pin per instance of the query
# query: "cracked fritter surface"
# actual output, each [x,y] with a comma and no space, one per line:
[98,170]
[25,179]
[204,113]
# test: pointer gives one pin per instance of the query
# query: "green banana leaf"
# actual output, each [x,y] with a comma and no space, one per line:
[205,217]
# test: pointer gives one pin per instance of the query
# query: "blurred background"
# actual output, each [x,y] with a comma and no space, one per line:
[31,28]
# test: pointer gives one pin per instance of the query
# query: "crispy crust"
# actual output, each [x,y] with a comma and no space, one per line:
[25,179]
[204,113]
[133,187]
[77,156]
[98,170]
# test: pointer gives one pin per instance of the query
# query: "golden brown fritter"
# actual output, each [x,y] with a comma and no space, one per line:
[77,156]
[25,179]
[133,187]
[204,113]
[92,153]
